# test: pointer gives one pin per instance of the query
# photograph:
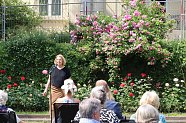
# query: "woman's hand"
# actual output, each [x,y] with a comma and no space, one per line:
[44,93]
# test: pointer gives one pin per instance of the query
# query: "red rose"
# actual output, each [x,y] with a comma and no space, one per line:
[22,78]
[122,85]
[131,94]
[143,74]
[125,79]
[9,86]
[15,84]
[115,91]
[129,74]
[132,84]
[158,85]
[9,78]
[2,71]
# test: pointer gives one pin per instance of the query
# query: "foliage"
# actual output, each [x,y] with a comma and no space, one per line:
[177,66]
[137,32]
[83,91]
[60,37]
[26,55]
[77,62]
[126,51]
[133,44]
[173,98]
[18,15]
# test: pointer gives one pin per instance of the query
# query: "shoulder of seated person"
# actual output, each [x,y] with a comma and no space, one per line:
[77,100]
[112,102]
[9,109]
[59,100]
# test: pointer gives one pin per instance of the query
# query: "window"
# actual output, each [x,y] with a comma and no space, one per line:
[92,6]
[162,2]
[50,7]
[43,7]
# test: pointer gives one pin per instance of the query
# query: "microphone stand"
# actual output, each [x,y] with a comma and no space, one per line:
[50,98]
[50,72]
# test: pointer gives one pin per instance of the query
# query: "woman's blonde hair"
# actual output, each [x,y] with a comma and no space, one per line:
[63,59]
[150,97]
[105,85]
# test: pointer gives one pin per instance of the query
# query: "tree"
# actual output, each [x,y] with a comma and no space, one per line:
[17,15]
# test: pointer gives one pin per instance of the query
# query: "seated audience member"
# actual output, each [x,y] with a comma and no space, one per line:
[69,89]
[89,109]
[110,103]
[3,100]
[107,116]
[147,114]
[150,97]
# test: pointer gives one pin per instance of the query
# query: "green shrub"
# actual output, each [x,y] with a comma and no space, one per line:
[60,37]
[26,55]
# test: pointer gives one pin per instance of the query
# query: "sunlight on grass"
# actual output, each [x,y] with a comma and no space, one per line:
[44,113]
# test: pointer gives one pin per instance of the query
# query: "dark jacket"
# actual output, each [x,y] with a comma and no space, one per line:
[114,106]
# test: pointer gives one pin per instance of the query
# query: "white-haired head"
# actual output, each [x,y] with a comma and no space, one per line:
[147,114]
[3,97]
[150,97]
[69,86]
[98,92]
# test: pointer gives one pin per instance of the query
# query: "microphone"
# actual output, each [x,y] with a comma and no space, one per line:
[52,68]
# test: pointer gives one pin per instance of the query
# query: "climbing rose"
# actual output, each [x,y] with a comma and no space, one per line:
[122,85]
[9,78]
[132,84]
[115,91]
[2,71]
[15,84]
[131,94]
[125,79]
[9,86]
[44,72]
[22,78]
[129,74]
[143,74]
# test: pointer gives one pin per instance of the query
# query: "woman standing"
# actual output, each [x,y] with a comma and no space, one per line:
[57,75]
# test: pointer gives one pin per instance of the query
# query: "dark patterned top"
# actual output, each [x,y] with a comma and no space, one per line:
[107,116]
[58,76]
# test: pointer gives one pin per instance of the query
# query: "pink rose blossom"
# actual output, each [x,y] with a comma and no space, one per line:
[127,17]
[44,72]
[136,13]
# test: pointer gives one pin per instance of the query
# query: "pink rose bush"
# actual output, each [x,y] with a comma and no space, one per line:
[137,31]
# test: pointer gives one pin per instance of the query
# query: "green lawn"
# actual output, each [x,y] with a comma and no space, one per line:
[127,114]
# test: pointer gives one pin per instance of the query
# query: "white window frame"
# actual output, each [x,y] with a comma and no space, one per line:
[49,8]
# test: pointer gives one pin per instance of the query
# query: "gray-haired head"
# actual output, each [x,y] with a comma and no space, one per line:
[150,97]
[98,92]
[147,114]
[3,97]
[88,107]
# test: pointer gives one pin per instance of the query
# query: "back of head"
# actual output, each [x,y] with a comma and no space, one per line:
[3,97]
[88,107]
[147,114]
[107,89]
[98,92]
[150,97]
[69,86]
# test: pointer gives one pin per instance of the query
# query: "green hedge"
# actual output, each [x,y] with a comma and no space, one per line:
[24,56]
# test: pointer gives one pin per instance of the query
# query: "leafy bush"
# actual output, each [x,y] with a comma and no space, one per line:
[17,16]
[137,32]
[26,55]
[133,44]
[60,37]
